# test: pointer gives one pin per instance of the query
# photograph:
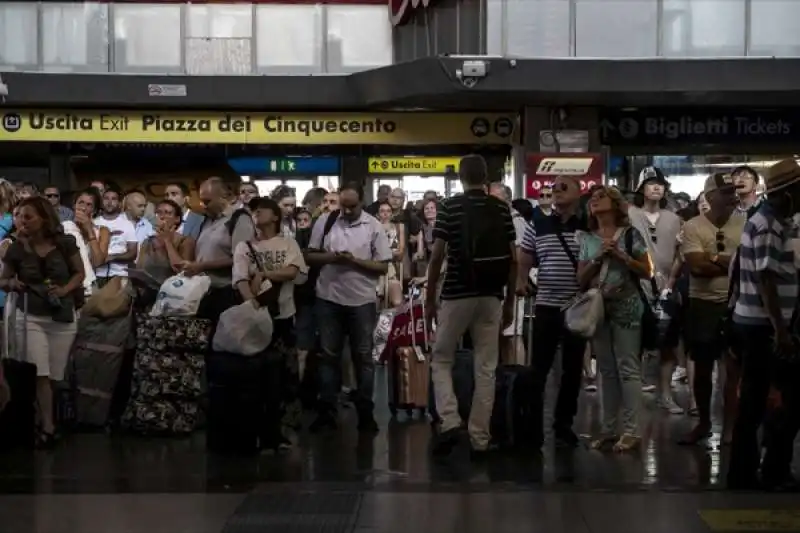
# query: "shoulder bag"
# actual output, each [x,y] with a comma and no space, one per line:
[586,311]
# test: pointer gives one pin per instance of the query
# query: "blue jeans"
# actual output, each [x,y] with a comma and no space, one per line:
[337,322]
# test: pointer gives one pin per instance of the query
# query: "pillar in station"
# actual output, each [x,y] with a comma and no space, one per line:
[60,172]
[496,165]
[353,169]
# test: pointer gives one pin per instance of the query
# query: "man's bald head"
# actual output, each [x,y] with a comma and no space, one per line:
[214,194]
[135,205]
[500,191]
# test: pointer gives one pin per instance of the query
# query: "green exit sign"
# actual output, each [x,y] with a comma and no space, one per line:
[282,164]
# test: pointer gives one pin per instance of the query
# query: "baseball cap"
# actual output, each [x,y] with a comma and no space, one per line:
[718,181]
[652,174]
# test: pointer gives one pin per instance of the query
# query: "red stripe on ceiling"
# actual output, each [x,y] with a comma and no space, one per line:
[351,2]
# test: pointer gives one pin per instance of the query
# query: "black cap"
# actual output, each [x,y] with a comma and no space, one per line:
[649,174]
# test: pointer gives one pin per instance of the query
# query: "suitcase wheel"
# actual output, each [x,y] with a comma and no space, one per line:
[410,413]
[393,409]
[421,411]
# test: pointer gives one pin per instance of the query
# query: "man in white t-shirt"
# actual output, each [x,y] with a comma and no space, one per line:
[122,246]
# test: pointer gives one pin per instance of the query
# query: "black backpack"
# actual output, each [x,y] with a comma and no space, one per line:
[485,251]
[230,224]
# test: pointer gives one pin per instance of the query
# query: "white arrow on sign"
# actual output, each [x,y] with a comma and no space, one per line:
[606,127]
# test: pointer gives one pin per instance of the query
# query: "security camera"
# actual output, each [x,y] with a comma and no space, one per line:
[474,69]
[471,72]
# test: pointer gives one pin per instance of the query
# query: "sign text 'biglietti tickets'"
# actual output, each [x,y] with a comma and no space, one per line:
[257,128]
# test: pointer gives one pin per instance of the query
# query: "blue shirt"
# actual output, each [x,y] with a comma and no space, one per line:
[6,223]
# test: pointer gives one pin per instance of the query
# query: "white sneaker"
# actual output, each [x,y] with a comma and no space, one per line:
[648,388]
[679,375]
[591,387]
[668,403]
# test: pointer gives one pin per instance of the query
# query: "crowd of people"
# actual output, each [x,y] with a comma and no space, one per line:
[696,284]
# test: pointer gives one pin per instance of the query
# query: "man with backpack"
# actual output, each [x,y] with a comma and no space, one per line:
[478,234]
[222,230]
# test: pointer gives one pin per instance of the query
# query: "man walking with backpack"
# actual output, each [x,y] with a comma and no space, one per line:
[478,234]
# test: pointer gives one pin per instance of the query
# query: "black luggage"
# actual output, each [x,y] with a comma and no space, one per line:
[517,413]
[18,419]
[239,388]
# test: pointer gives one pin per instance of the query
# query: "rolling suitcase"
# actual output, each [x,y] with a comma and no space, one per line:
[517,415]
[18,419]
[409,369]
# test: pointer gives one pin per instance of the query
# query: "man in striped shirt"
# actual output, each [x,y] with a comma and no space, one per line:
[477,296]
[550,244]
[766,304]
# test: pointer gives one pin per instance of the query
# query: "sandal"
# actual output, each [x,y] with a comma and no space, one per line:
[603,442]
[627,443]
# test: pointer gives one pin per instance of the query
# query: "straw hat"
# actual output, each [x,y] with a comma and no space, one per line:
[781,175]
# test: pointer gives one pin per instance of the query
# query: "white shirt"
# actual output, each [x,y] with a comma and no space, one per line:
[70,228]
[122,233]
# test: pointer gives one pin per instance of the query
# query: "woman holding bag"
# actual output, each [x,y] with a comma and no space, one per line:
[45,264]
[623,260]
[275,258]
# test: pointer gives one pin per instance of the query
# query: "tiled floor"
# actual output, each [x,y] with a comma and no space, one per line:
[342,482]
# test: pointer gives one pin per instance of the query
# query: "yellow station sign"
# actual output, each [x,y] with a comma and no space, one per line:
[256,128]
[413,165]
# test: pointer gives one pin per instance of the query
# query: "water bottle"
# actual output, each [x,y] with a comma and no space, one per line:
[52,299]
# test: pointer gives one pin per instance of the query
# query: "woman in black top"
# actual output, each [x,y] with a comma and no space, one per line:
[44,267]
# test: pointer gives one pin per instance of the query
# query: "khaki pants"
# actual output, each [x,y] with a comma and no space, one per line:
[481,317]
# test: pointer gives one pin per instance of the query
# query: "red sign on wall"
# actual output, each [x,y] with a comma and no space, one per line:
[400,11]
[541,170]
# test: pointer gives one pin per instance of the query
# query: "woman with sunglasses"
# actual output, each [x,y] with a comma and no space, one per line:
[613,257]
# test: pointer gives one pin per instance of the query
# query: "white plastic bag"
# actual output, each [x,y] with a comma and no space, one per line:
[243,329]
[180,295]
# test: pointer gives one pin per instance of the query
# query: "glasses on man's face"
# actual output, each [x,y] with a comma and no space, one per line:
[52,195]
[720,238]
[546,195]
[560,187]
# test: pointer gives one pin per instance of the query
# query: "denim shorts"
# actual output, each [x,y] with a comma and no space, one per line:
[305,327]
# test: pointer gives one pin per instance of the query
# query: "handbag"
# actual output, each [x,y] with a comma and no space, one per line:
[653,328]
[112,300]
[586,311]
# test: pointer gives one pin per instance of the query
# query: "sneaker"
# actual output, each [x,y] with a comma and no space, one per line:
[648,388]
[680,375]
[591,387]
[668,403]
[566,438]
